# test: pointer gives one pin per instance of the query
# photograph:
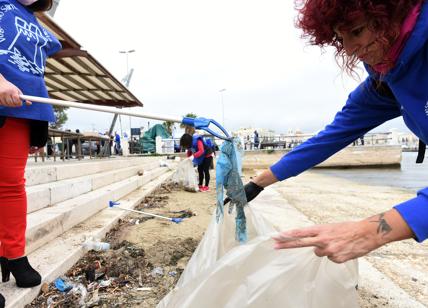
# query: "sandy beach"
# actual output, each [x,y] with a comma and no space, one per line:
[389,277]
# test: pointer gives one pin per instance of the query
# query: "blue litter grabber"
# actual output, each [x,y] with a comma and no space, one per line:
[198,123]
[116,205]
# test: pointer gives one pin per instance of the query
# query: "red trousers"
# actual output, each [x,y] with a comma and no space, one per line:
[14,147]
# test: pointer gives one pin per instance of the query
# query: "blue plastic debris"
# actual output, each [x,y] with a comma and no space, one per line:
[62,286]
[228,177]
[112,203]
[177,220]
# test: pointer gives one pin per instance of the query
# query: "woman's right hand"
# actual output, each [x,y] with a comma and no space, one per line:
[9,94]
[251,189]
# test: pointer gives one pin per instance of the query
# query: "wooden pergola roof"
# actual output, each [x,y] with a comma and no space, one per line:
[73,74]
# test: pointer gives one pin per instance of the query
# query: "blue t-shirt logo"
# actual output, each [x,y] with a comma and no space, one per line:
[24,47]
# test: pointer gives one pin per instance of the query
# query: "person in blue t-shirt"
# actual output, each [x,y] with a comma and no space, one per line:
[24,47]
[391,39]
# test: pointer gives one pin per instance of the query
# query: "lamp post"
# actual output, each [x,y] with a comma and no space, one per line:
[222,103]
[127,52]
[127,77]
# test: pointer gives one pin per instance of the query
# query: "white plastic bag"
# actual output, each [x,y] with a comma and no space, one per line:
[223,273]
[186,176]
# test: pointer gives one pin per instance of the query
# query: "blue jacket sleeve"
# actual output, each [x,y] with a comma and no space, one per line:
[415,213]
[364,110]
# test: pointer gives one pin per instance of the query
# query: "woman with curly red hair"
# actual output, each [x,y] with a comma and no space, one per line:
[391,39]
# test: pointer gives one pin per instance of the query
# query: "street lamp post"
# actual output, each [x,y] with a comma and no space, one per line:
[127,77]
[127,52]
[222,103]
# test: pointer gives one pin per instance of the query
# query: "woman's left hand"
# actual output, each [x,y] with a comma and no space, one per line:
[341,242]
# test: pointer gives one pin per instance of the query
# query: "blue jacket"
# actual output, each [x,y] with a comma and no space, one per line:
[198,160]
[24,47]
[366,108]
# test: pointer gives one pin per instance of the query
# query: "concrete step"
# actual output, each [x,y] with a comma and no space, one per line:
[48,223]
[51,172]
[56,257]
[44,195]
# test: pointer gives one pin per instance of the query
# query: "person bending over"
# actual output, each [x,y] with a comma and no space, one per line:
[202,157]
[390,38]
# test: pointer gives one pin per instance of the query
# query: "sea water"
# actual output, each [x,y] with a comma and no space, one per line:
[410,176]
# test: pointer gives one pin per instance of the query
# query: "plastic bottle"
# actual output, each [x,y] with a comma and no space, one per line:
[95,245]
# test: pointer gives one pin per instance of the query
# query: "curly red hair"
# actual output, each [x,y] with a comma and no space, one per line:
[318,18]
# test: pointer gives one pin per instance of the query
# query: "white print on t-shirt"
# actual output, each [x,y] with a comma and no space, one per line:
[2,38]
[31,33]
[8,7]
[426,109]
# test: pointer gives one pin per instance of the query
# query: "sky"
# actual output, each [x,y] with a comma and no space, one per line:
[187,51]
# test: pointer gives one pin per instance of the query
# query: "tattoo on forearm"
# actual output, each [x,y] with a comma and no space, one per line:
[383,227]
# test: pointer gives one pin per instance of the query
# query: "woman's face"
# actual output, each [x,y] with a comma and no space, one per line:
[361,42]
[27,2]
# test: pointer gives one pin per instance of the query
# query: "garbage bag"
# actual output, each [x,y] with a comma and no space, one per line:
[224,273]
[185,176]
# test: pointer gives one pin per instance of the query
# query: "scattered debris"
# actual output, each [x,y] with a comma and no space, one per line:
[62,286]
[182,214]
[143,289]
[122,269]
[157,271]
[126,275]
[45,288]
[93,244]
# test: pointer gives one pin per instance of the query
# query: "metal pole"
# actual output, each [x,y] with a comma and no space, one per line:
[222,104]
[222,108]
[126,80]
[58,102]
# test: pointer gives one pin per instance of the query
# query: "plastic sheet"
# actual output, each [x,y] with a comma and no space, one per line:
[186,176]
[224,273]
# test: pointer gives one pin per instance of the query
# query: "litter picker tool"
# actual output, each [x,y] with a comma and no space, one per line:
[198,123]
[116,205]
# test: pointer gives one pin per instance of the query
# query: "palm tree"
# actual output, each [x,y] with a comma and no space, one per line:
[189,129]
[169,126]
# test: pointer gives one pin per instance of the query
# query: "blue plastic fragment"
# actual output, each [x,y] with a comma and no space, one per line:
[62,286]
[228,178]
[112,203]
[177,220]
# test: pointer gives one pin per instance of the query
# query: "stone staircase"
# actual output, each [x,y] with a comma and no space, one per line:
[68,201]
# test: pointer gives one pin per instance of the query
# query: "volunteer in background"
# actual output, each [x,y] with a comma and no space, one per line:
[202,157]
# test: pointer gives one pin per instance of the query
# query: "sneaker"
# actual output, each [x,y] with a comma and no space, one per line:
[201,188]
[206,188]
